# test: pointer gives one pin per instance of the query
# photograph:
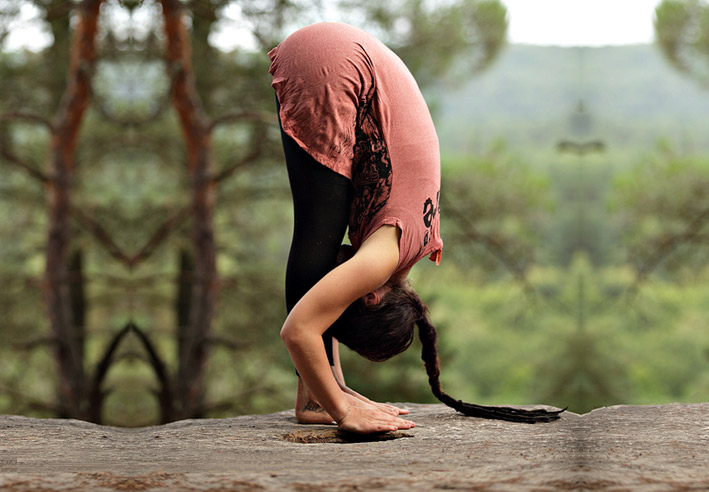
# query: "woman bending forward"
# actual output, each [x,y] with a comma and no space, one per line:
[362,156]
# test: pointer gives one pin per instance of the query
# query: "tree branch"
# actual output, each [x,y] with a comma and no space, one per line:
[35,173]
[130,122]
[666,246]
[24,115]
[31,344]
[104,237]
[495,247]
[165,393]
[225,173]
[238,116]
[101,235]
[162,232]
[155,360]
[104,364]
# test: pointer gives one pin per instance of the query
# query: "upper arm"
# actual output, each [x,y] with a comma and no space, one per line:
[367,270]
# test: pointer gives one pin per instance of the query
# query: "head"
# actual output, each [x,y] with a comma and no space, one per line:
[380,325]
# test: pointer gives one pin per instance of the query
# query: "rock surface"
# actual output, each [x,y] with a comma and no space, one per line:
[622,448]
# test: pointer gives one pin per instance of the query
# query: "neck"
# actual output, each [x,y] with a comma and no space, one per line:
[399,277]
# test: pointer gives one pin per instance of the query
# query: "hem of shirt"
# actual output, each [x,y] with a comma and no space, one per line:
[342,167]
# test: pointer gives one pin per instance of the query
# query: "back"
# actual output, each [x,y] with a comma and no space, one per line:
[352,104]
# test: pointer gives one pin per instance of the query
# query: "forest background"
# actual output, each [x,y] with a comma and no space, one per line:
[145,215]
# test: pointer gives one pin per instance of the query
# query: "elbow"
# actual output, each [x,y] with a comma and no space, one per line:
[286,333]
[290,335]
[296,336]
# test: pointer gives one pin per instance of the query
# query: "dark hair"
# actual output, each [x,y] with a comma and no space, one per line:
[381,331]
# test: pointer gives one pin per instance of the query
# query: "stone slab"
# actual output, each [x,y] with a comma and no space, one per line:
[653,448]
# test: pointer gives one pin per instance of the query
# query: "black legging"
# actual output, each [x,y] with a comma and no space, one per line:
[321,208]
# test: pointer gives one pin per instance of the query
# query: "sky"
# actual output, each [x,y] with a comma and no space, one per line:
[540,22]
[581,22]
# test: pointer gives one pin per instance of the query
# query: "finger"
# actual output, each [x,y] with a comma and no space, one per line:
[400,423]
[408,423]
[387,426]
[389,409]
[377,426]
[399,411]
[376,420]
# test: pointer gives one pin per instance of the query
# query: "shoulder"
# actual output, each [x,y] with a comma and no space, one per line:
[381,247]
[372,264]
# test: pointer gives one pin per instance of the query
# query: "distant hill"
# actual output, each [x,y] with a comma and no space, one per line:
[530,97]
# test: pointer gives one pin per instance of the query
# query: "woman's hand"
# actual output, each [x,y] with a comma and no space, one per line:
[390,409]
[363,420]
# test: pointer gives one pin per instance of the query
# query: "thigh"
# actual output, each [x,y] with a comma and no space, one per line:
[321,207]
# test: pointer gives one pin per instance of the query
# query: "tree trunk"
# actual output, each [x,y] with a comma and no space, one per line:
[196,134]
[57,291]
[57,57]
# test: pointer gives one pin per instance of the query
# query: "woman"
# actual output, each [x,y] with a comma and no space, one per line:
[362,153]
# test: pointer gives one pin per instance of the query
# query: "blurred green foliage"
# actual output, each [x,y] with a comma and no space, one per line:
[568,280]
[682,31]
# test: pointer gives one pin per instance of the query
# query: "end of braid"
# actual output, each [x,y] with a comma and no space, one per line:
[429,354]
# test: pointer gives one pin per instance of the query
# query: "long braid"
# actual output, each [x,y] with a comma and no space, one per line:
[429,354]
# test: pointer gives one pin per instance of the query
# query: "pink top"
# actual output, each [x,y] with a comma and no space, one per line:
[352,104]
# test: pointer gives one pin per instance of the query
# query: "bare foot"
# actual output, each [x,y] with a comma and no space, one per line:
[307,410]
[384,407]
[312,413]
